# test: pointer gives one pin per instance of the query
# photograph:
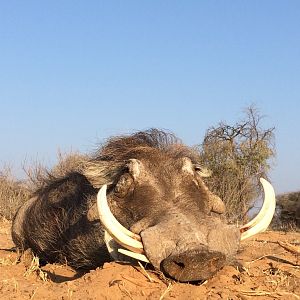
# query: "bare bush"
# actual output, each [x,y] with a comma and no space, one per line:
[38,174]
[238,156]
[12,194]
[289,211]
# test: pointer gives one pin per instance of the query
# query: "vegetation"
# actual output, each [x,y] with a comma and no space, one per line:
[13,193]
[66,162]
[238,155]
[288,216]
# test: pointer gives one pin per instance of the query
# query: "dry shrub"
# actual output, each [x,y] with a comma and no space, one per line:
[13,194]
[238,156]
[288,217]
[38,175]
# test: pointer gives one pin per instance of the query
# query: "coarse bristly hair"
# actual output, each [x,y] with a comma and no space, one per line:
[108,162]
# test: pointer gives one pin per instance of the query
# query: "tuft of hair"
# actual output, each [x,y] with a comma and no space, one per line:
[109,161]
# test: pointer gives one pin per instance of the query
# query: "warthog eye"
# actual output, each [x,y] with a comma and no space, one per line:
[197,168]
[123,185]
[203,172]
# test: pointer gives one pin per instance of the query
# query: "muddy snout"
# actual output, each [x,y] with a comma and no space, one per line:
[193,265]
[189,251]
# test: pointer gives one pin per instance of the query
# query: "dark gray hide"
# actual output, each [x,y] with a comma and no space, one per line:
[155,190]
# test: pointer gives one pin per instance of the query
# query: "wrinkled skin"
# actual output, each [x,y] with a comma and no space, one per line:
[154,188]
[181,229]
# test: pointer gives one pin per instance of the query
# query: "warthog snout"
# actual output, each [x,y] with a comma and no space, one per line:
[193,265]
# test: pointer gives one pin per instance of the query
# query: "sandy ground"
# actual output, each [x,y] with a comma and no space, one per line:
[270,271]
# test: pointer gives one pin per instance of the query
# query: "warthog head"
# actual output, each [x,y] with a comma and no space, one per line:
[169,217]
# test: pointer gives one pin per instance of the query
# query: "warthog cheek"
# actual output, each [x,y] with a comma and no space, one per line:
[225,239]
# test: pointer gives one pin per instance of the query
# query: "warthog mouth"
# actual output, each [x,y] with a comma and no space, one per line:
[132,242]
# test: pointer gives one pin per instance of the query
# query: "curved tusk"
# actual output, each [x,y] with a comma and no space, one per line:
[138,256]
[113,248]
[261,222]
[106,210]
[123,236]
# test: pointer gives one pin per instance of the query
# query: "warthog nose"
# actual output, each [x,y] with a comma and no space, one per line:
[193,265]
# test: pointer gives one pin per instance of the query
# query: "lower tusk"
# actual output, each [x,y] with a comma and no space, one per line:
[122,235]
[134,255]
[261,222]
[113,248]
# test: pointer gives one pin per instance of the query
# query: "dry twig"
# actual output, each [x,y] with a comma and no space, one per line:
[289,247]
[167,290]
[145,273]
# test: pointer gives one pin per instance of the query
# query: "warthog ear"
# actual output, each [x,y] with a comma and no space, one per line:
[187,166]
[134,167]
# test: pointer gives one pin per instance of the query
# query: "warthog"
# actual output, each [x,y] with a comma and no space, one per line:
[151,184]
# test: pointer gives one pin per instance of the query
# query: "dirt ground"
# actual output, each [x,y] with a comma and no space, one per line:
[270,271]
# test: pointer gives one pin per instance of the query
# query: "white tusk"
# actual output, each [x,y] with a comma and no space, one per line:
[111,245]
[106,210]
[113,248]
[134,255]
[122,235]
[261,222]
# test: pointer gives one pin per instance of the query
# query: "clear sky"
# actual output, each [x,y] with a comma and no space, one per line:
[72,73]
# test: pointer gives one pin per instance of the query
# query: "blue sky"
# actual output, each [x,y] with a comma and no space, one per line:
[75,72]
